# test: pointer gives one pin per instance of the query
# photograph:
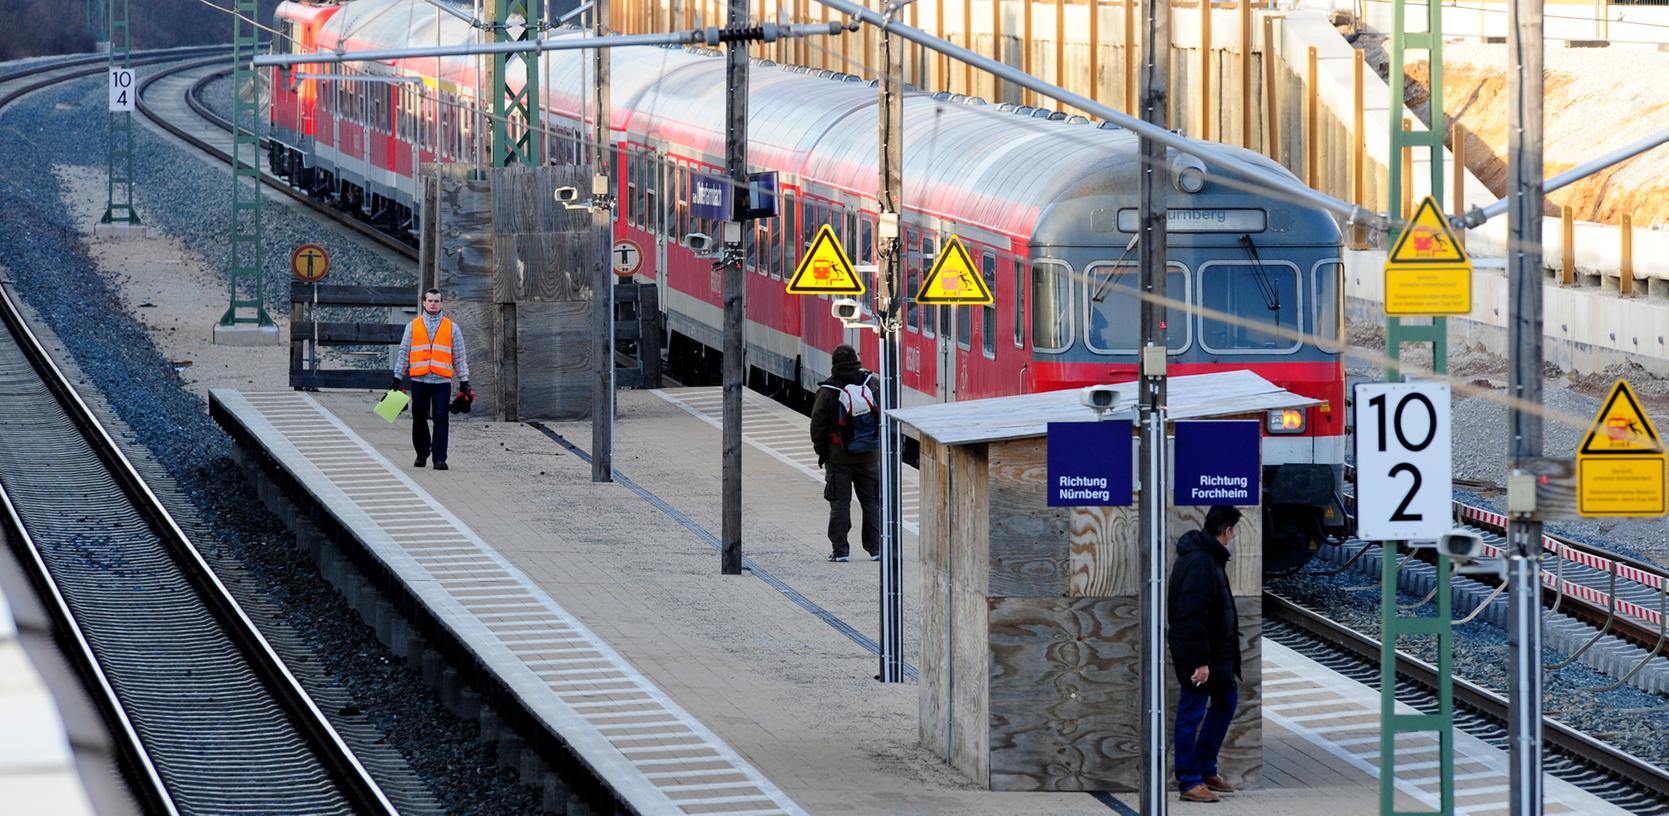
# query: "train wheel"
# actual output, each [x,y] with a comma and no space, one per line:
[1292,533]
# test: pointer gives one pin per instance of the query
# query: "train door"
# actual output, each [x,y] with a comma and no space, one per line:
[944,318]
[667,195]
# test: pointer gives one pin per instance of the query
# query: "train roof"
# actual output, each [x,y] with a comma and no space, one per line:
[990,168]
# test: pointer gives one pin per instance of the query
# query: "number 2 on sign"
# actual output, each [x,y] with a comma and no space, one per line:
[1403,460]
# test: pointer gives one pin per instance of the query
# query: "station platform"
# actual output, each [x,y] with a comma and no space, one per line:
[50,737]
[603,607]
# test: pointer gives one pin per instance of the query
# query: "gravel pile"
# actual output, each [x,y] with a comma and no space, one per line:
[188,198]
[1628,717]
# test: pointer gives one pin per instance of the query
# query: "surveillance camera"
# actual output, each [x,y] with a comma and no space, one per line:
[698,242]
[567,194]
[1102,398]
[1463,546]
[845,310]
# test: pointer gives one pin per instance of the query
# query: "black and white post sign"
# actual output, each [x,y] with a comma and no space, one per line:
[1403,461]
[121,89]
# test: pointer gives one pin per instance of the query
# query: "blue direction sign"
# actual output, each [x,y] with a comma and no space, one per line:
[710,198]
[1217,462]
[1089,464]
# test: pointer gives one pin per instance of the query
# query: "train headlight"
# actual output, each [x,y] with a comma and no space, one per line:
[1285,421]
[1187,173]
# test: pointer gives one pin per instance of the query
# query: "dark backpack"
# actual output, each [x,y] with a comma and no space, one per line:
[857,417]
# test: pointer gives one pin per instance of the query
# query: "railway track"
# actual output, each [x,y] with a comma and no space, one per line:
[1619,777]
[208,717]
[177,107]
[1622,595]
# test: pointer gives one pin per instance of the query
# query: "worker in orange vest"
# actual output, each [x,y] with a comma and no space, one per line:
[431,352]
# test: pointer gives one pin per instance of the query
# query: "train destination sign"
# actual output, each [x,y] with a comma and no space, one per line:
[954,281]
[1218,462]
[825,270]
[1620,467]
[1198,219]
[310,263]
[710,198]
[1090,464]
[1427,271]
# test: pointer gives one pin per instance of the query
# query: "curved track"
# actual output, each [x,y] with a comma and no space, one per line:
[171,99]
[211,719]
[1583,580]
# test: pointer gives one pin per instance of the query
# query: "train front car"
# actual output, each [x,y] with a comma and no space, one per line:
[1262,282]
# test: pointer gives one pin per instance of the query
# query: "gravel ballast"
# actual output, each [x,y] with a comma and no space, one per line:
[188,198]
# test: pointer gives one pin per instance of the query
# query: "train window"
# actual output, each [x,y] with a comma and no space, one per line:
[851,235]
[790,232]
[1019,304]
[808,225]
[1263,299]
[964,317]
[750,248]
[683,200]
[866,241]
[1113,307]
[640,198]
[630,202]
[912,268]
[1051,305]
[778,238]
[988,315]
[1327,306]
[924,261]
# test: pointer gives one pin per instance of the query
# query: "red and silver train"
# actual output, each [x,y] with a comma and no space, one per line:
[1045,204]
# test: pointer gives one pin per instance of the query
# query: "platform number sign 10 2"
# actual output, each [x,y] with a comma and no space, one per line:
[121,89]
[1403,461]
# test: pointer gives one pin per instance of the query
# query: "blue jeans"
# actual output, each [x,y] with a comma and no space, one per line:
[429,400]
[1202,723]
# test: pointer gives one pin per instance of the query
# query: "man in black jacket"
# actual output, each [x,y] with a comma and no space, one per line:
[1205,651]
[845,471]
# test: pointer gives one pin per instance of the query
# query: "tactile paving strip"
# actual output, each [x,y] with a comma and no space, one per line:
[654,754]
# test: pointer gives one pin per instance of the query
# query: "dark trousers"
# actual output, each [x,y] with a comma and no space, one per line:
[1202,723]
[429,399]
[839,482]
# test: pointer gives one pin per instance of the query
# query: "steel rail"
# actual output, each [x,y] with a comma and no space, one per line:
[1606,757]
[193,99]
[339,760]
[356,783]
[1642,633]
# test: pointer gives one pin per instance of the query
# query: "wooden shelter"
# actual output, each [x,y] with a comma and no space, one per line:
[1031,638]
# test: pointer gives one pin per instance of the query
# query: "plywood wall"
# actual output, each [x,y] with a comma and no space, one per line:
[1031,637]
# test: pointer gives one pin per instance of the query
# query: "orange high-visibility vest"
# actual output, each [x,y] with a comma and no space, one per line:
[431,355]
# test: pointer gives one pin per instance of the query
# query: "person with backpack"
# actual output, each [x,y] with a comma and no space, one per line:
[846,431]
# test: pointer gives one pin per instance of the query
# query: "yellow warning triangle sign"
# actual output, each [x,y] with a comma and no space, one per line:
[954,280]
[825,270]
[1427,239]
[1621,428]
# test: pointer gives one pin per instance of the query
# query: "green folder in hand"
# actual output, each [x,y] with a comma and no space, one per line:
[392,404]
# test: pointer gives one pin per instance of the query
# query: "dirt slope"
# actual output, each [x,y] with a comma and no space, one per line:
[1597,100]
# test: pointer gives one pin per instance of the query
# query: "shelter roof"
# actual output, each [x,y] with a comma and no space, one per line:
[1196,396]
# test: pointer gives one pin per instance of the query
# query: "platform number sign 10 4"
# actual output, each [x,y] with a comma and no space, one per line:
[121,89]
[1403,461]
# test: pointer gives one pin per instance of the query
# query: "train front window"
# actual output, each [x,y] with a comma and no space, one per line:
[1113,311]
[1327,306]
[1250,307]
[1051,305]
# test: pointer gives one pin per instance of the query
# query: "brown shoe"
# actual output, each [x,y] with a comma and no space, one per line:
[1218,784]
[1200,793]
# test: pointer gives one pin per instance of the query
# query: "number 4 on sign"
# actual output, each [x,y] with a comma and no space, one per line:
[1403,461]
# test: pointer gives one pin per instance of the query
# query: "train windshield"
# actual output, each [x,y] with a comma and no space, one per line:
[1113,310]
[1249,307]
[1327,306]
